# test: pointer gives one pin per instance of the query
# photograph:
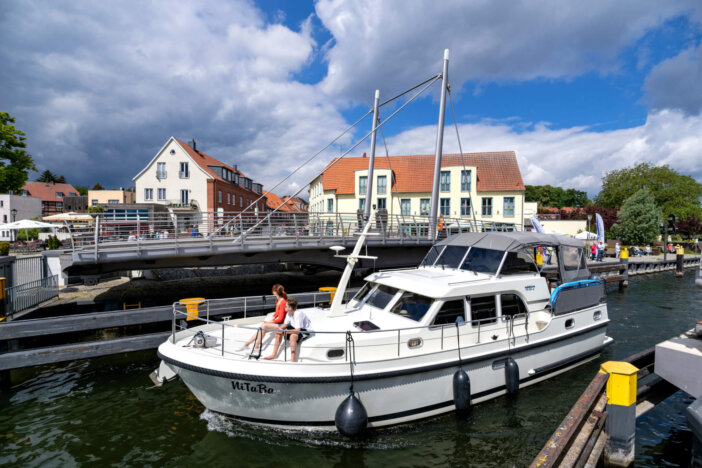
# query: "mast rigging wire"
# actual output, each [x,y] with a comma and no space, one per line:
[430,82]
[463,162]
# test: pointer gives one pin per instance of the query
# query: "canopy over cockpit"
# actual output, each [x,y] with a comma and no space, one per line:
[500,253]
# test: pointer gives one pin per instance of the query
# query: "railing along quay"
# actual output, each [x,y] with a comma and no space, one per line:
[14,334]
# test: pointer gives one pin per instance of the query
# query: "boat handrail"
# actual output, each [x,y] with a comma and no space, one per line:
[475,329]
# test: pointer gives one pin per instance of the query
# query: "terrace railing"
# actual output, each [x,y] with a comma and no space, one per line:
[29,294]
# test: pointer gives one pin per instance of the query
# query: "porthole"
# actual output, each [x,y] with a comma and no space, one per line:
[597,315]
[172,152]
[335,353]
[570,323]
[414,343]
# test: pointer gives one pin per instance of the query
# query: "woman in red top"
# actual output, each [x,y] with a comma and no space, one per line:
[281,300]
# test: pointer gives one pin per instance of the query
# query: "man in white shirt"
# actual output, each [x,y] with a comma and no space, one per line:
[295,321]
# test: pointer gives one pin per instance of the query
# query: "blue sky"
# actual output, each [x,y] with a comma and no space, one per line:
[576,90]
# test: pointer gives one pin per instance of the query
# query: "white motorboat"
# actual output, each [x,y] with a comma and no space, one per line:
[479,318]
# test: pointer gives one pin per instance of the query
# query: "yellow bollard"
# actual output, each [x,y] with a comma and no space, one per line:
[331,290]
[621,408]
[539,258]
[624,253]
[191,307]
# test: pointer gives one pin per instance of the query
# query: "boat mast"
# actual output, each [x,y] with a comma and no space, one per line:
[371,160]
[434,209]
[337,304]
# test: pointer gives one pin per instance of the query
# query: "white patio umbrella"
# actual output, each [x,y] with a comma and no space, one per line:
[585,235]
[71,216]
[26,224]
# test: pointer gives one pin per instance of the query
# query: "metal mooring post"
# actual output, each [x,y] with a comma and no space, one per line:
[621,418]
[679,262]
[624,259]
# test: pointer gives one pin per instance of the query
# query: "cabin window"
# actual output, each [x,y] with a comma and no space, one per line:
[412,306]
[512,305]
[573,258]
[483,310]
[335,353]
[451,312]
[363,292]
[451,256]
[483,260]
[518,263]
[381,296]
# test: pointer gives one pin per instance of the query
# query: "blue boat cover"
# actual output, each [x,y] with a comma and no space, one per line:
[573,285]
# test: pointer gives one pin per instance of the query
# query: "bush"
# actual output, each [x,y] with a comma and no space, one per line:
[4,248]
[53,243]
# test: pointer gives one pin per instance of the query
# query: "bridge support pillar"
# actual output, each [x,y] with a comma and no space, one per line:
[679,265]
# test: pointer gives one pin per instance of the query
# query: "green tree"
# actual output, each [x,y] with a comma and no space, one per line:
[546,195]
[640,219]
[61,179]
[82,190]
[15,162]
[46,176]
[674,193]
[97,186]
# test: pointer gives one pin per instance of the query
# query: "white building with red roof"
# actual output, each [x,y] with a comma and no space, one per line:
[190,181]
[488,183]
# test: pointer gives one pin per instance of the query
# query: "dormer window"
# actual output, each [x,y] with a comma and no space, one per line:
[59,194]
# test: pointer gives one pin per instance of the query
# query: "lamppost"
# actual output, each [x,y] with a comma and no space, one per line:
[589,218]
[13,212]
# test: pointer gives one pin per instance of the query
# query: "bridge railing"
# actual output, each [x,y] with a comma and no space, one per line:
[182,227]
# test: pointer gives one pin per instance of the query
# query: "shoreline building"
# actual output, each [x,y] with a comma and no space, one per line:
[191,183]
[111,197]
[489,184]
[15,208]
[52,195]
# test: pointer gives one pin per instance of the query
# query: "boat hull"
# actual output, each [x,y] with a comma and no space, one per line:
[389,397]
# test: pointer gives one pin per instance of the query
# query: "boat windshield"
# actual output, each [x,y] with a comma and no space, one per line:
[412,306]
[363,292]
[381,296]
[449,256]
[483,260]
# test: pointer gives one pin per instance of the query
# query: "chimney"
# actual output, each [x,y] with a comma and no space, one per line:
[192,144]
[234,166]
[364,155]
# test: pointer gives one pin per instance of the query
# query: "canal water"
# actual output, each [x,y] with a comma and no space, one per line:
[105,412]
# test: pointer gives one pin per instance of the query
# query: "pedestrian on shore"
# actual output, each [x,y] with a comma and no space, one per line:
[616,250]
[593,251]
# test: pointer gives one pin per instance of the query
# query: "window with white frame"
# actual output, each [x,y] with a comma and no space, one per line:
[382,204]
[161,194]
[508,206]
[148,194]
[424,206]
[382,185]
[487,206]
[161,170]
[465,206]
[330,205]
[59,194]
[362,185]
[219,196]
[405,207]
[445,206]
[184,197]
[465,180]
[362,204]
[445,181]
[184,170]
